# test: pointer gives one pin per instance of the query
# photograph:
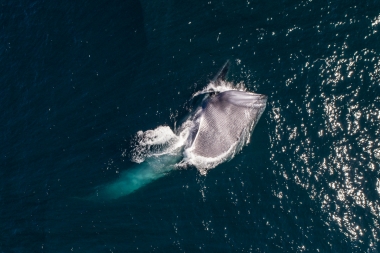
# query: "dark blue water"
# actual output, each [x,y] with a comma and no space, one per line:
[80,78]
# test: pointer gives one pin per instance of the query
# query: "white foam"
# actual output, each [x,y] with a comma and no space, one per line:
[157,142]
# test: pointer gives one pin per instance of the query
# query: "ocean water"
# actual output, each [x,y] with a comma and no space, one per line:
[79,79]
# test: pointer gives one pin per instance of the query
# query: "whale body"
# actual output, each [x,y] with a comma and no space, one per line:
[212,133]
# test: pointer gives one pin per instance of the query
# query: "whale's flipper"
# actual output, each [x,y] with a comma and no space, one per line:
[222,74]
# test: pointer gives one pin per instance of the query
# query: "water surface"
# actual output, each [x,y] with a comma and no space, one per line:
[80,78]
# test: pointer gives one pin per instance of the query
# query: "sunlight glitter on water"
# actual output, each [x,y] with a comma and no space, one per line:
[347,137]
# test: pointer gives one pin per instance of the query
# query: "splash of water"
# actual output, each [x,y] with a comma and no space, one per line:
[162,140]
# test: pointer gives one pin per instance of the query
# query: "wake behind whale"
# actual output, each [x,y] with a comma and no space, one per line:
[212,133]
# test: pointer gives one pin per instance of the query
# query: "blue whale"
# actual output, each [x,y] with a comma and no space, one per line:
[218,128]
